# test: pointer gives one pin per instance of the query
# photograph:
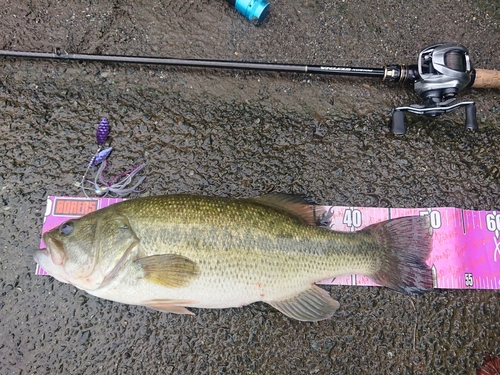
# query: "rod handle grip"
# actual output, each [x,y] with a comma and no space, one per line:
[487,79]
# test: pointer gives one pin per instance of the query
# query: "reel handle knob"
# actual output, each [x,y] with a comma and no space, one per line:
[471,118]
[398,122]
[486,79]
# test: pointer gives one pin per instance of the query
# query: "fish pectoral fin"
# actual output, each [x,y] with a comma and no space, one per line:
[170,306]
[309,306]
[169,270]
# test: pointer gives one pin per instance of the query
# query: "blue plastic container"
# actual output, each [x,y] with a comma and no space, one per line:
[255,10]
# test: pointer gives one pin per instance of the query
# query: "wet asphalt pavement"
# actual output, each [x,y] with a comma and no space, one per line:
[240,134]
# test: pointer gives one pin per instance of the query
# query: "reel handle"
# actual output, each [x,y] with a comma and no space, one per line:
[486,79]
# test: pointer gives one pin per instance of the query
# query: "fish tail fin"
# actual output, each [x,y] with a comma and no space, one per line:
[406,243]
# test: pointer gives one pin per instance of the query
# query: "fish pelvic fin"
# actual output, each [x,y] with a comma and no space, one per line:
[169,306]
[311,305]
[169,270]
[405,243]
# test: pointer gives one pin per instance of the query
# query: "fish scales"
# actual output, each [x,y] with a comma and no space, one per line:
[219,233]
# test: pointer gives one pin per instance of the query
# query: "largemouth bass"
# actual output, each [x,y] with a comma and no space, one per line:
[178,251]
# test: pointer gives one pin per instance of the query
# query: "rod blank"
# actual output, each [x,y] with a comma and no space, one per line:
[218,64]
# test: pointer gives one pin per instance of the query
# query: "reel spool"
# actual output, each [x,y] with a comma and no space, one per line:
[443,70]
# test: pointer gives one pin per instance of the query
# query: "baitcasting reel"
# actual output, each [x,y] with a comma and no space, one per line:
[443,70]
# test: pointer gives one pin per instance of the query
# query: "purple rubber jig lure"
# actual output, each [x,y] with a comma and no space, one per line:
[118,186]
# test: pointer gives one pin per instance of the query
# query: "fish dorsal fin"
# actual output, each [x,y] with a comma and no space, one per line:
[170,306]
[297,205]
[309,306]
[169,270]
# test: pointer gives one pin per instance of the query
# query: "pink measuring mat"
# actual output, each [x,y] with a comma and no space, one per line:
[466,244]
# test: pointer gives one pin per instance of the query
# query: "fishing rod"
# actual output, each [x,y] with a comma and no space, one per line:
[442,70]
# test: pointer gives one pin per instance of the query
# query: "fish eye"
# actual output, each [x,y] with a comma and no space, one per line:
[66,228]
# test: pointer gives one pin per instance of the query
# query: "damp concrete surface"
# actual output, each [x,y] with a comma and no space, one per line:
[240,134]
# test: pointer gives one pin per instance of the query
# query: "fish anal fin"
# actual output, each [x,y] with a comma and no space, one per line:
[169,306]
[309,306]
[169,270]
[297,205]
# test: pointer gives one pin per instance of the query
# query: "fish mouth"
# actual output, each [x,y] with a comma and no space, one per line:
[39,254]
[54,250]
[43,251]
[44,260]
